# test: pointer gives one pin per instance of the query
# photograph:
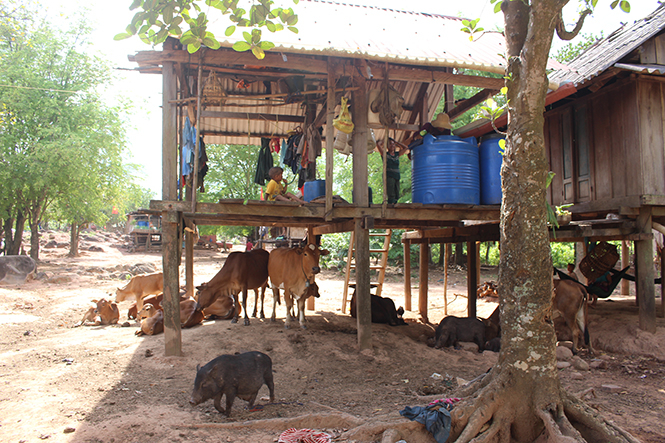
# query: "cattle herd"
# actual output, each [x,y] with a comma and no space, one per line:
[293,271]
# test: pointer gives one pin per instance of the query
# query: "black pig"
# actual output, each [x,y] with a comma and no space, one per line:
[239,375]
[453,329]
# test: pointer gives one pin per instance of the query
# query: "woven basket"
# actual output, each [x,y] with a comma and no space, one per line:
[601,259]
[213,92]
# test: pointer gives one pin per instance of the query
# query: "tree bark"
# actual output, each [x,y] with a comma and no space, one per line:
[74,240]
[521,399]
[34,240]
[14,238]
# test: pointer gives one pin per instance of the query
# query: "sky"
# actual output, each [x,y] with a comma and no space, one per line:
[110,17]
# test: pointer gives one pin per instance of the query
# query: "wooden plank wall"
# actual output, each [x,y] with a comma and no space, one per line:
[651,114]
[627,140]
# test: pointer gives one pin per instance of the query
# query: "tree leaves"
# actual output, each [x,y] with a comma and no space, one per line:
[157,19]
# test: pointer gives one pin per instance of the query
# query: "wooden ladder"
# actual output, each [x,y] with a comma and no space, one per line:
[380,266]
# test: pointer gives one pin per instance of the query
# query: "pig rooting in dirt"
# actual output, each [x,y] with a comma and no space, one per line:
[453,329]
[239,375]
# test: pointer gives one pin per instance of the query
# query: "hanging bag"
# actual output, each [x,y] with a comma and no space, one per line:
[343,121]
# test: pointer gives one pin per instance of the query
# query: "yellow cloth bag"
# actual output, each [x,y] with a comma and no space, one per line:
[343,121]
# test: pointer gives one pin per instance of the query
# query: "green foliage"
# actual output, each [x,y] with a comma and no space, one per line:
[562,254]
[484,110]
[573,50]
[155,21]
[61,146]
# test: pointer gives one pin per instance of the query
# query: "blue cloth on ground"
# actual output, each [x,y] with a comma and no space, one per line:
[435,418]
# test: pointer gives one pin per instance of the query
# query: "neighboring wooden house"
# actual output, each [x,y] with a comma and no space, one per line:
[605,139]
[341,50]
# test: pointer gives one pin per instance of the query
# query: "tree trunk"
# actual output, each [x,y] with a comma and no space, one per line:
[34,240]
[521,399]
[14,238]
[74,240]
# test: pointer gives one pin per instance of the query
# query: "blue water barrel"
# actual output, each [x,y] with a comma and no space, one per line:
[313,189]
[445,170]
[490,169]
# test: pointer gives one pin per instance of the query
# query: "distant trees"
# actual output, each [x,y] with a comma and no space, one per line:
[60,145]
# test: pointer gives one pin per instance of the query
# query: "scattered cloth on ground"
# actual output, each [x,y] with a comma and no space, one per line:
[435,416]
[294,435]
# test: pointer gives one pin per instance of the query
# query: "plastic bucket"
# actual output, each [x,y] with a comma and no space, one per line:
[313,189]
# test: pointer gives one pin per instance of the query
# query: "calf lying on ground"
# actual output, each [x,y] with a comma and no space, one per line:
[234,376]
[453,330]
[153,323]
[103,313]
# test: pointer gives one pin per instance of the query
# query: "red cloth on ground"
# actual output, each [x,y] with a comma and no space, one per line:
[294,435]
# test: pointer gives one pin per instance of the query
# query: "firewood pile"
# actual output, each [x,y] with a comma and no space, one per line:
[487,290]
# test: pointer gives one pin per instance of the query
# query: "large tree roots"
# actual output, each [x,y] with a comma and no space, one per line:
[495,410]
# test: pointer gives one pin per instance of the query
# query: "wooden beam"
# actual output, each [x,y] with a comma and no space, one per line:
[465,105]
[311,64]
[331,102]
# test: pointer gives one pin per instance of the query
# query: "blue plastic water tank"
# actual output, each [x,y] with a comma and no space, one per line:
[490,169]
[313,189]
[445,170]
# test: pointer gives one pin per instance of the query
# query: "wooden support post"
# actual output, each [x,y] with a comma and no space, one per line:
[189,263]
[446,254]
[363,294]
[472,277]
[170,220]
[662,285]
[423,287]
[311,239]
[625,261]
[644,286]
[477,263]
[407,274]
[171,302]
[330,138]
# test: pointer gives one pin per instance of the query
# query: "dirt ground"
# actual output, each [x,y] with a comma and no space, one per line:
[105,384]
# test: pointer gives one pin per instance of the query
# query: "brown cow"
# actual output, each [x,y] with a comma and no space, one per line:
[293,270]
[241,272]
[569,302]
[104,313]
[154,321]
[140,286]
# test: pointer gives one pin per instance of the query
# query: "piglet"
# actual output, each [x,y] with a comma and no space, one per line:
[239,375]
[453,329]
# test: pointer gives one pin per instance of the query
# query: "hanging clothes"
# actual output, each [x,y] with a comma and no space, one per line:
[188,141]
[314,141]
[203,164]
[264,163]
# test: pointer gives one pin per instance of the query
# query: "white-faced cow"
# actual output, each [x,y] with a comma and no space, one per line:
[570,303]
[241,271]
[293,270]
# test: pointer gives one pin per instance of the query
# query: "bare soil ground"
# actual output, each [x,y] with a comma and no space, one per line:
[104,384]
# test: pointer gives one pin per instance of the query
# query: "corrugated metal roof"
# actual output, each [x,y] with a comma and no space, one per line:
[373,33]
[610,50]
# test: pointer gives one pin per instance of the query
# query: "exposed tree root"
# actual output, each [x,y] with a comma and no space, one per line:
[490,413]
[594,426]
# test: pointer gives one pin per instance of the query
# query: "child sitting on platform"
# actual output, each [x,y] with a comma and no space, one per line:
[276,190]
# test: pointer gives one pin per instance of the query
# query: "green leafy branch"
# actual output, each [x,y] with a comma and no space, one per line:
[156,20]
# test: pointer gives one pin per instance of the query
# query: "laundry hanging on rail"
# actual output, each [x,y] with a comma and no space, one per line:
[264,163]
